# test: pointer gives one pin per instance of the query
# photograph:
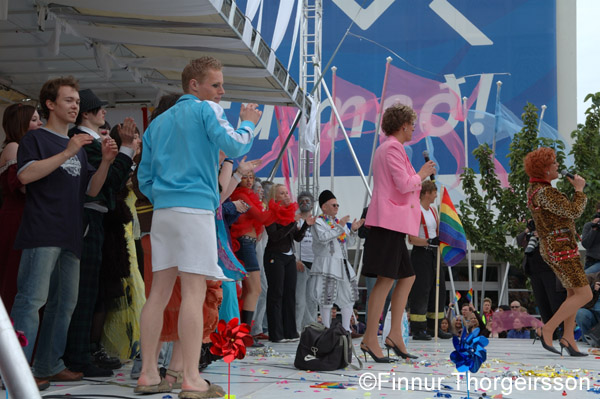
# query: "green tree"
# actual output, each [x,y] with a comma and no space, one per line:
[586,156]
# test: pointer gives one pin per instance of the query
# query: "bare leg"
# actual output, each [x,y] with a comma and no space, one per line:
[193,292]
[399,299]
[576,298]
[375,307]
[151,322]
[251,291]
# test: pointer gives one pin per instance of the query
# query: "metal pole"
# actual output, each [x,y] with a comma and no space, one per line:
[541,118]
[333,132]
[465,110]
[283,147]
[339,119]
[14,367]
[375,138]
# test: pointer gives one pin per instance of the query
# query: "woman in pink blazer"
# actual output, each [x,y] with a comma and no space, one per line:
[393,213]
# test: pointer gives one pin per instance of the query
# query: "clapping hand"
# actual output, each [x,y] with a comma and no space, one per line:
[246,167]
[356,224]
[127,131]
[109,149]
[344,220]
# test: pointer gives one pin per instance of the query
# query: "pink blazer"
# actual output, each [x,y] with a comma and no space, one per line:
[396,189]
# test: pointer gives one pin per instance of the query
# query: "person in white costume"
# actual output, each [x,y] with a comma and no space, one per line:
[332,277]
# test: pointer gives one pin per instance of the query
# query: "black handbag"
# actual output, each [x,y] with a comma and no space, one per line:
[325,349]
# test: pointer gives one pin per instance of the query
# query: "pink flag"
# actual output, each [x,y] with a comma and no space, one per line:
[285,117]
[428,98]
[356,106]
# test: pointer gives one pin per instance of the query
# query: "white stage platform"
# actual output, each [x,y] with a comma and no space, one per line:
[274,376]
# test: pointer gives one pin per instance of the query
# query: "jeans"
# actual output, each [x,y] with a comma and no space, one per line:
[50,276]
[592,268]
[586,319]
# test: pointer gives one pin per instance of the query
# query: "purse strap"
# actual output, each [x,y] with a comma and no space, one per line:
[349,362]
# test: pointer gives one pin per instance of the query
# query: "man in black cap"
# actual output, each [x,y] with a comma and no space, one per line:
[80,351]
[333,279]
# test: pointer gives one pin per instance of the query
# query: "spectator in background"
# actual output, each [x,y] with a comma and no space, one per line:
[280,264]
[548,291]
[17,120]
[358,327]
[306,306]
[518,330]
[487,310]
[589,316]
[89,315]
[590,240]
[57,175]
[422,299]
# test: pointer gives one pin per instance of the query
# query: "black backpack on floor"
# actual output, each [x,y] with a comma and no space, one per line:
[325,349]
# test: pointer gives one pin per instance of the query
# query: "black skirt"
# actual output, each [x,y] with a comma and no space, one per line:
[386,255]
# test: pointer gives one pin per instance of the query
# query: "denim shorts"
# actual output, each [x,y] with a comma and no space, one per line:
[247,254]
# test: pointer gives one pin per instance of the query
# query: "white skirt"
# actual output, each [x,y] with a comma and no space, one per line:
[186,241]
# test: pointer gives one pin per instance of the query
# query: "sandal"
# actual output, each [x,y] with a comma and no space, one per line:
[162,387]
[214,391]
[178,375]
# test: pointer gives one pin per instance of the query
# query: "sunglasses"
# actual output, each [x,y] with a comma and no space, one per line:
[335,205]
[515,307]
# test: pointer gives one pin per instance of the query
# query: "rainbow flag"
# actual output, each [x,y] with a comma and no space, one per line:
[470,295]
[457,296]
[453,241]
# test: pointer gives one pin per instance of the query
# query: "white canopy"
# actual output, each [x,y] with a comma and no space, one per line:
[131,51]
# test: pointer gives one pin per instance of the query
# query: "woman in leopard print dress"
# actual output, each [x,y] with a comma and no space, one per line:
[554,216]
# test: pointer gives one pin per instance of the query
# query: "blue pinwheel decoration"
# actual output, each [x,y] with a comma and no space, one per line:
[470,351]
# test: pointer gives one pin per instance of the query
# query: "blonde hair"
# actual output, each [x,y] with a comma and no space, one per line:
[273,191]
[197,69]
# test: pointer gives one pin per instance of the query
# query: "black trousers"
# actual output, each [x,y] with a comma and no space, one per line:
[280,270]
[422,295]
[548,296]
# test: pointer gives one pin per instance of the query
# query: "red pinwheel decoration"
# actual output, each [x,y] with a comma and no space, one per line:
[230,342]
[470,352]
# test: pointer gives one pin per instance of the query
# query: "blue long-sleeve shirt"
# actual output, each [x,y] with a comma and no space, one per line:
[180,154]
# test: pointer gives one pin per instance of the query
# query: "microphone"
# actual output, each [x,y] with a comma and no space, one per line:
[426,156]
[569,175]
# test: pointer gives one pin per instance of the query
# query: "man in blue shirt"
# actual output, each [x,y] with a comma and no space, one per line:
[178,174]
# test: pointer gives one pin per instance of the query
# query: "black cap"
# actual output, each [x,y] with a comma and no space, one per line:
[89,101]
[325,196]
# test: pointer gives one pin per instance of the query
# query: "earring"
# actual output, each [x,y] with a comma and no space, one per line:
[547,172]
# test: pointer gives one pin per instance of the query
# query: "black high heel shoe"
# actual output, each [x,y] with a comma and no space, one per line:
[570,350]
[397,350]
[365,349]
[544,345]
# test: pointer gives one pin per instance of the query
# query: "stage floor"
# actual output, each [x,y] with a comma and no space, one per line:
[270,373]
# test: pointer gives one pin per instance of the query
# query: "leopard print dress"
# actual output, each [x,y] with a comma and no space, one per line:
[554,216]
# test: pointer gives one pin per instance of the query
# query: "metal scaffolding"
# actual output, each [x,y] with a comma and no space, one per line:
[310,59]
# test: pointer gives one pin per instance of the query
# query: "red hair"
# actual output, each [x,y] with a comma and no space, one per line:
[537,162]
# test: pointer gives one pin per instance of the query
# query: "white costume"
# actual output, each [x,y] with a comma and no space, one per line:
[332,277]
